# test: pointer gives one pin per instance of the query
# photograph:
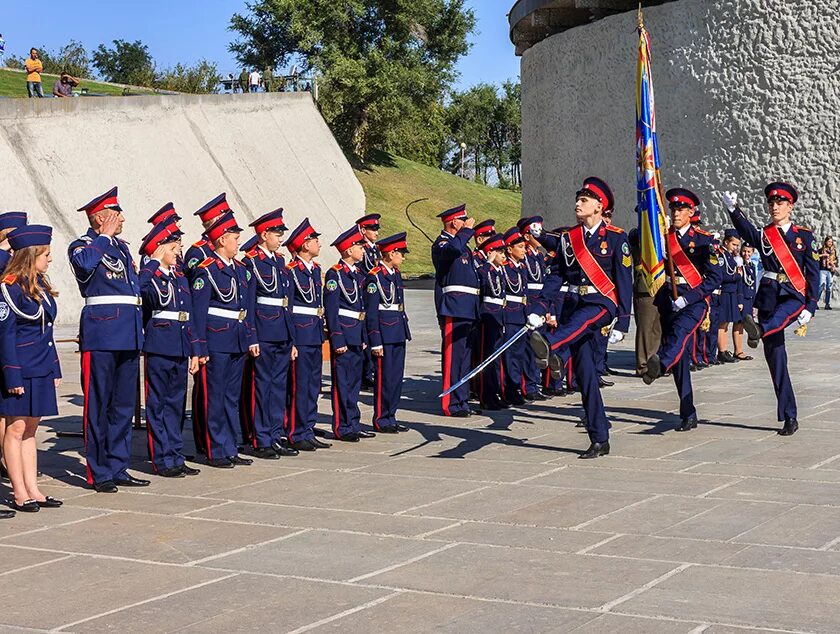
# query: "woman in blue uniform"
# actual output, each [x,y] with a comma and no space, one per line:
[31,371]
[731,298]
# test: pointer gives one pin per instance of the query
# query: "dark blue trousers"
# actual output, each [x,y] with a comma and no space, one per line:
[678,332]
[513,362]
[491,333]
[601,341]
[389,370]
[583,355]
[533,375]
[264,388]
[224,385]
[711,349]
[304,388]
[346,374]
[455,362]
[166,385]
[774,323]
[368,369]
[109,385]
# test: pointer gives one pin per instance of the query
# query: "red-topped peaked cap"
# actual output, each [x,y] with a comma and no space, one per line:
[272,221]
[598,189]
[226,223]
[682,197]
[494,242]
[108,200]
[348,239]
[300,234]
[396,242]
[168,210]
[455,212]
[779,190]
[213,209]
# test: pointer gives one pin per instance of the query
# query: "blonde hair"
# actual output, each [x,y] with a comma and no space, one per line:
[22,266]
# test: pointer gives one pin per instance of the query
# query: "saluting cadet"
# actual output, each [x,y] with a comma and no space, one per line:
[345,317]
[8,221]
[308,322]
[748,276]
[167,214]
[369,228]
[535,278]
[264,388]
[697,272]
[482,230]
[514,277]
[222,291]
[492,324]
[596,262]
[456,303]
[110,339]
[203,249]
[171,348]
[731,299]
[788,290]
[387,329]
[31,371]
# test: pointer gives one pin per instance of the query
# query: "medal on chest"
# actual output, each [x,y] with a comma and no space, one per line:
[799,246]
[691,247]
[603,247]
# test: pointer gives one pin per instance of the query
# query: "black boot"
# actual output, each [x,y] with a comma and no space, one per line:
[595,449]
[791,425]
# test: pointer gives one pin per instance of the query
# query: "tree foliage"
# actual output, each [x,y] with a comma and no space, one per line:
[125,63]
[202,77]
[71,58]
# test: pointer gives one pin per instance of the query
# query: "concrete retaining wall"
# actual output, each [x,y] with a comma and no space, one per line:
[264,150]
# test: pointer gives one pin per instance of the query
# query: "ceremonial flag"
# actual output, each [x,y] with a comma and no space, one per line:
[653,219]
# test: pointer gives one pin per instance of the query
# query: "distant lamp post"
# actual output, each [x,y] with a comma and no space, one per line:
[463,149]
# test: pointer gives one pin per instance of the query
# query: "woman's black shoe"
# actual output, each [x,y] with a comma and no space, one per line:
[30,506]
[49,503]
[7,515]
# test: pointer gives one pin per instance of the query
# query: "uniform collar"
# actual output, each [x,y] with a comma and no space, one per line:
[684,230]
[165,269]
[223,260]
[388,269]
[266,251]
[593,230]
[786,227]
[309,265]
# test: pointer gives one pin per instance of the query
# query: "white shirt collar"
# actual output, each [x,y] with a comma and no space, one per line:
[165,270]
[387,268]
[684,230]
[786,227]
[308,264]
[223,259]
[266,251]
[593,229]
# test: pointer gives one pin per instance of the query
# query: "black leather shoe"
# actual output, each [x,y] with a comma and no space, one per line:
[692,368]
[388,429]
[754,331]
[282,448]
[7,515]
[319,432]
[367,434]
[320,444]
[131,481]
[654,370]
[220,463]
[516,399]
[474,411]
[401,427]
[595,449]
[602,382]
[238,460]
[540,346]
[529,397]
[265,453]
[726,357]
[189,471]
[171,472]
[30,506]
[555,364]
[791,425]
[49,502]
[540,396]
[106,487]
[303,445]
[461,413]
[687,424]
[348,438]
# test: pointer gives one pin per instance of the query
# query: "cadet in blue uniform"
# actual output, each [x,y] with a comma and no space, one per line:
[171,349]
[535,270]
[222,291]
[710,340]
[265,385]
[788,290]
[165,213]
[731,298]
[748,277]
[456,303]
[514,277]
[482,230]
[492,324]
[387,330]
[602,338]
[8,221]
[201,250]
[110,339]
[31,371]
[308,325]
[697,272]
[596,263]
[369,228]
[345,317]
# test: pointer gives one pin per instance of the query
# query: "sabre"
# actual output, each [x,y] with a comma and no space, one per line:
[489,359]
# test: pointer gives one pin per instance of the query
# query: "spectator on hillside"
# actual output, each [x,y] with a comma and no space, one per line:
[828,267]
[254,81]
[64,85]
[243,80]
[34,68]
[267,79]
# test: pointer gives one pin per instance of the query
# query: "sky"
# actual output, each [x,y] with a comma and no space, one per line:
[189,30]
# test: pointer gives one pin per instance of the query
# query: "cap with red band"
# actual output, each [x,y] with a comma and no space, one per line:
[213,209]
[681,197]
[600,190]
[348,239]
[369,221]
[225,223]
[250,244]
[301,234]
[108,200]
[272,221]
[453,214]
[512,236]
[162,233]
[396,242]
[494,242]
[526,224]
[781,191]
[485,227]
[167,211]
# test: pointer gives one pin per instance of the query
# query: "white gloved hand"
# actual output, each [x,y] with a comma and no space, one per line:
[535,321]
[615,337]
[739,260]
[536,229]
[804,317]
[730,199]
[679,303]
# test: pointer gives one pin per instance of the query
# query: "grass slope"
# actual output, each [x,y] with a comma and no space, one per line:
[391,182]
[13,84]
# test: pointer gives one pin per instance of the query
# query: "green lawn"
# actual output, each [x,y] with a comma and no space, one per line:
[393,182]
[13,84]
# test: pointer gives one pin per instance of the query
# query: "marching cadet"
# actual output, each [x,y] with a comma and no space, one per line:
[171,349]
[8,221]
[369,228]
[266,376]
[30,367]
[456,304]
[345,317]
[596,263]
[602,337]
[697,272]
[552,300]
[203,249]
[748,275]
[731,298]
[387,329]
[788,290]
[110,339]
[535,279]
[222,291]
[308,322]
[492,328]
[514,277]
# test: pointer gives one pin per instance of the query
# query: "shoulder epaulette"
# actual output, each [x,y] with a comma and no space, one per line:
[239,262]
[9,279]
[702,232]
[292,265]
[200,243]
[801,228]
[336,267]
[375,270]
[252,253]
[615,229]
[206,262]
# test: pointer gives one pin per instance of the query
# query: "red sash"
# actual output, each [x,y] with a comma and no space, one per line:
[686,266]
[781,249]
[590,266]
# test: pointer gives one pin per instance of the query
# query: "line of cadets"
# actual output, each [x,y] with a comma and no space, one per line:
[576,295]
[249,331]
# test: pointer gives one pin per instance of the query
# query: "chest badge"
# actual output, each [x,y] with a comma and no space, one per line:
[603,247]
[799,245]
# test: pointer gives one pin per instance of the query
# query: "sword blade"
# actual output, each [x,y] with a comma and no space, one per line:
[487,361]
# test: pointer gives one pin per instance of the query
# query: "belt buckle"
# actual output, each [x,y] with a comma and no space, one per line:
[504,302]
[782,278]
[320,312]
[241,316]
[362,316]
[583,289]
[401,307]
[182,315]
[284,302]
[139,301]
[524,301]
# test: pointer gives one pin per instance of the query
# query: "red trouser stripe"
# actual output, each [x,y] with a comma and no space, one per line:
[685,341]
[785,323]
[86,392]
[206,413]
[447,363]
[335,396]
[377,410]
[577,332]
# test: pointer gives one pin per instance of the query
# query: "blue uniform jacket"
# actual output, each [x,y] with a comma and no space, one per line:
[697,246]
[103,266]
[272,289]
[535,269]
[492,293]
[731,280]
[168,292]
[226,287]
[514,279]
[749,275]
[5,257]
[342,296]
[385,316]
[306,289]
[195,255]
[454,267]
[369,260]
[27,349]
[804,248]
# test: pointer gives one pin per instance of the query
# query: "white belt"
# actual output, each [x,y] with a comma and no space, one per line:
[238,315]
[307,310]
[460,289]
[394,307]
[564,288]
[172,315]
[584,289]
[535,287]
[499,301]
[273,301]
[516,299]
[343,312]
[716,291]
[779,277]
[103,300]
[680,280]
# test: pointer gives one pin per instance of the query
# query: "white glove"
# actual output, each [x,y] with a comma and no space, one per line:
[536,229]
[739,260]
[804,317]
[615,337]
[535,321]
[679,303]
[730,199]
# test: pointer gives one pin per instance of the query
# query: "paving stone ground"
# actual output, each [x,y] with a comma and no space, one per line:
[489,524]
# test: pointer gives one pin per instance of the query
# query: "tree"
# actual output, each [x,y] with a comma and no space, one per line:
[380,62]
[125,63]
[203,77]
